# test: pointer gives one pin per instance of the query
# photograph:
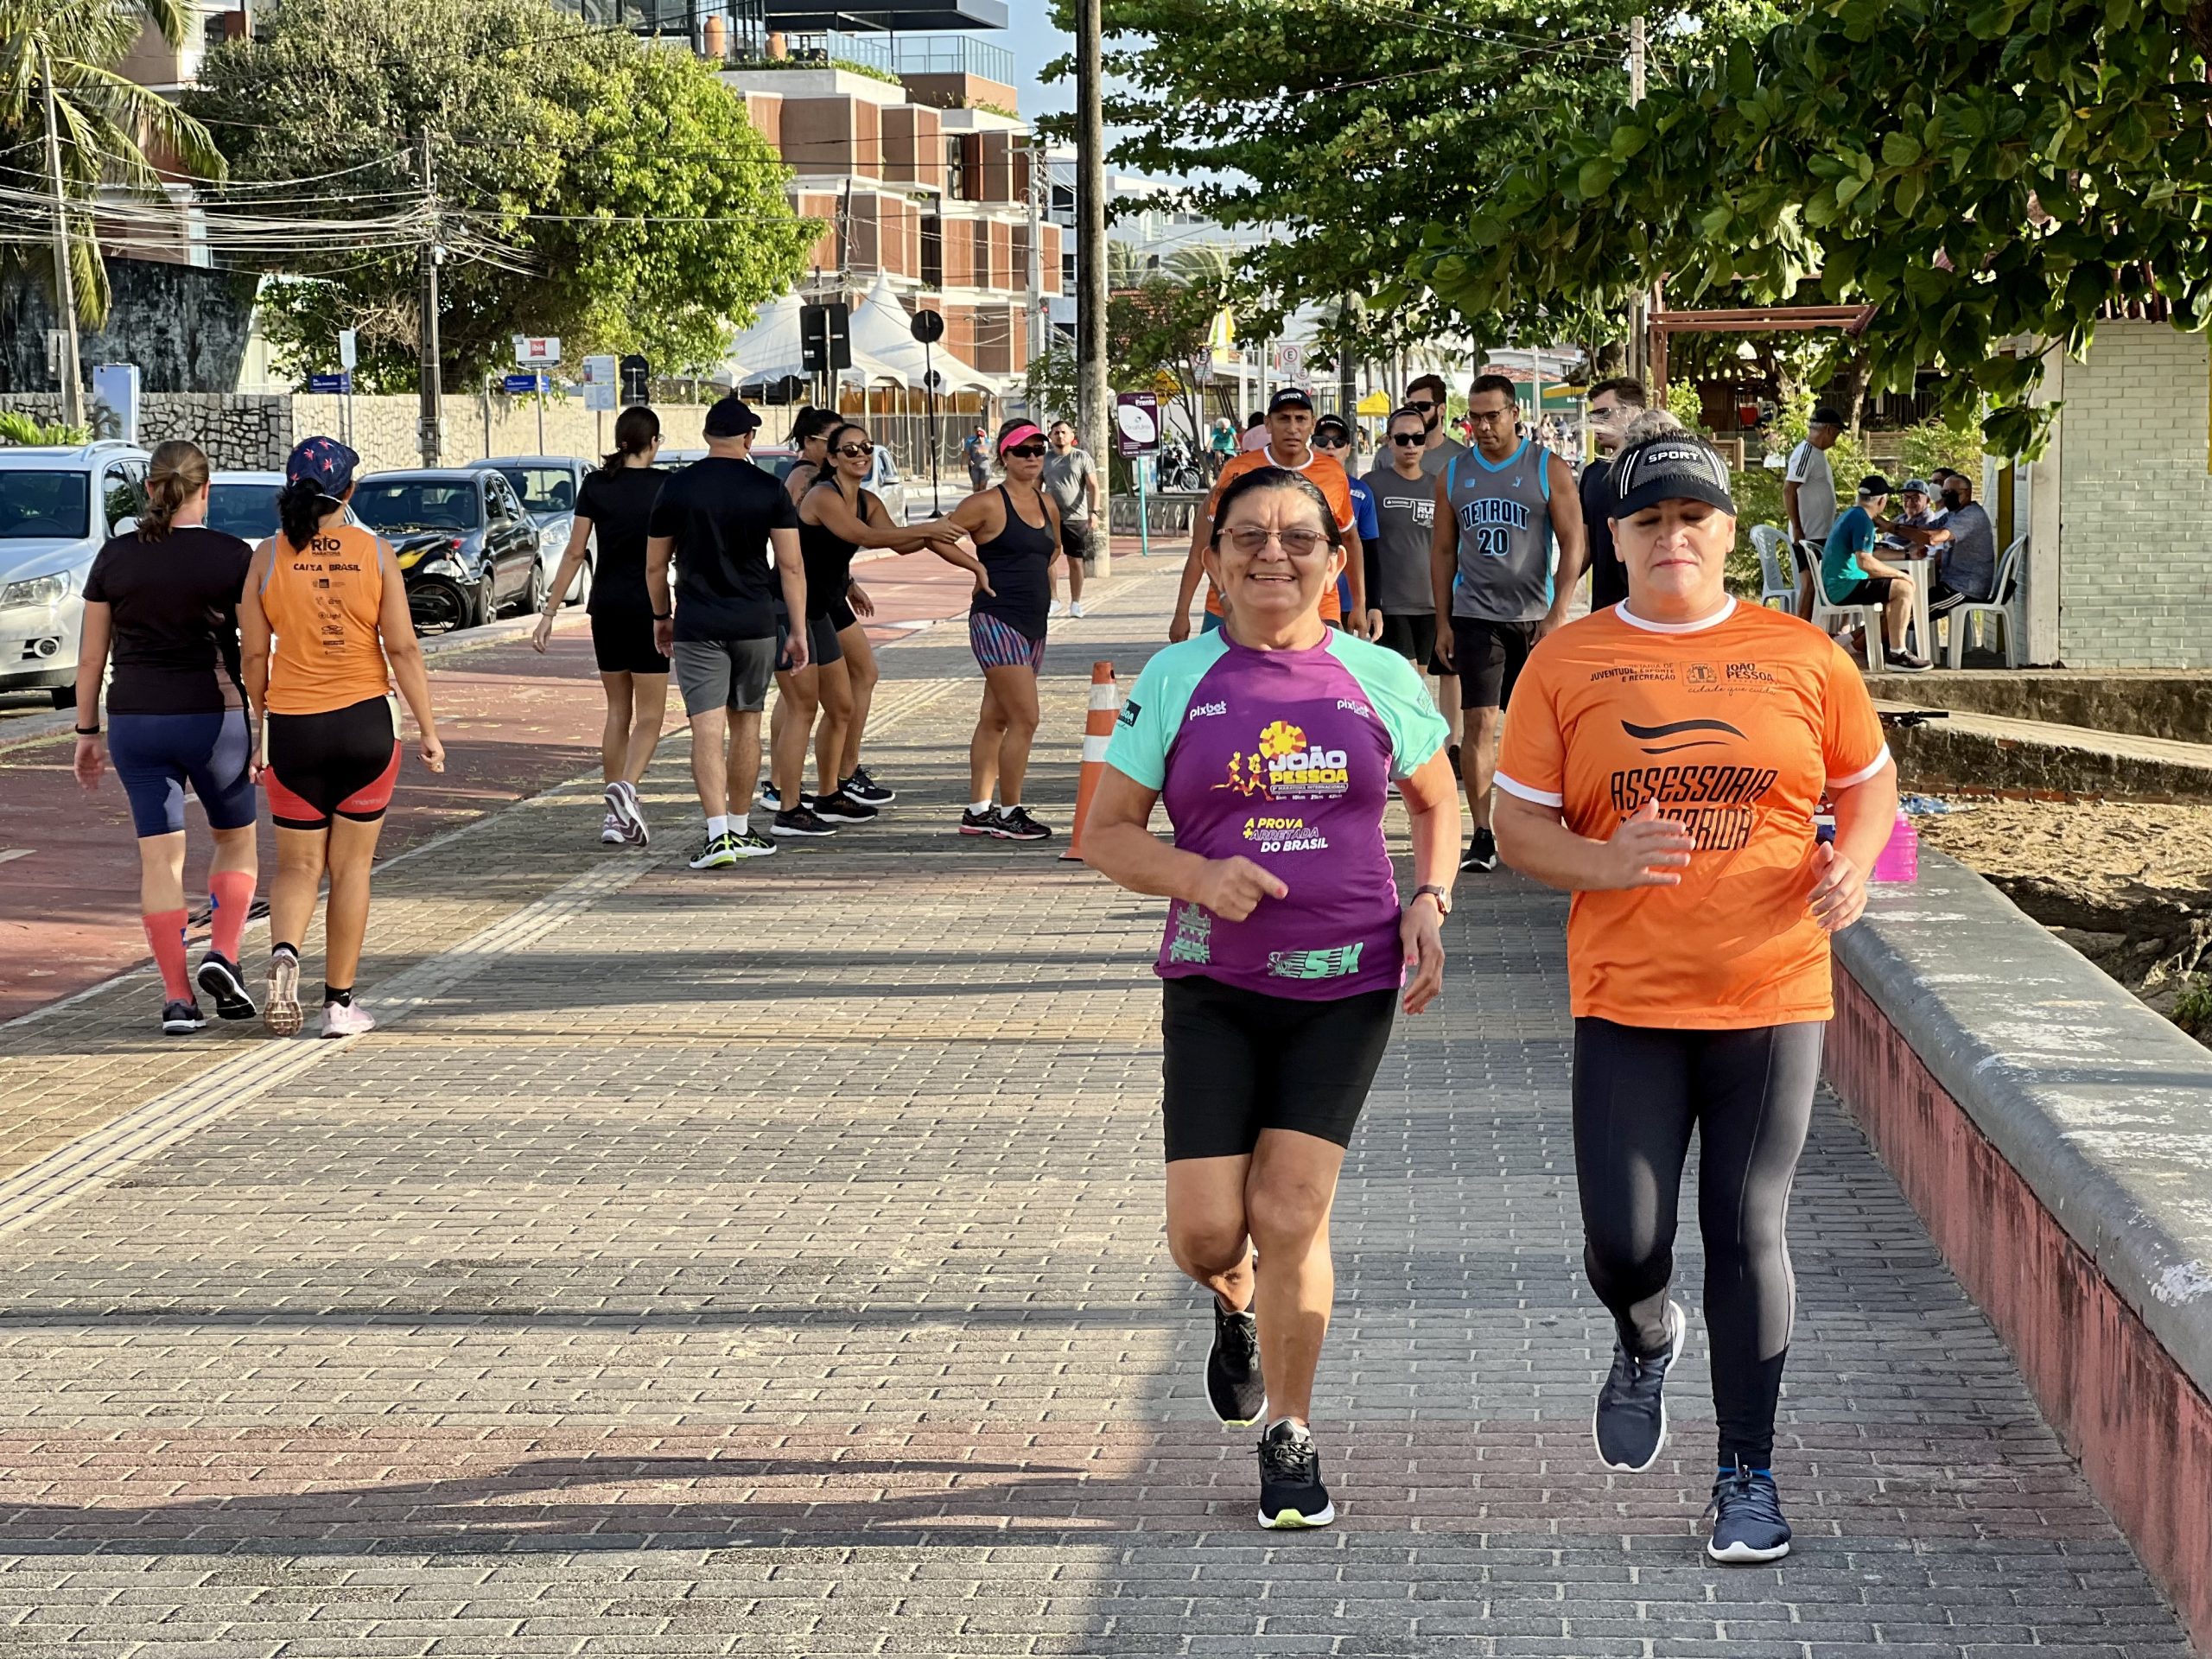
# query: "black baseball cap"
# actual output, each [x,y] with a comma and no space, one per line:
[1333,424]
[1670,467]
[1874,484]
[1290,397]
[730,418]
[1826,416]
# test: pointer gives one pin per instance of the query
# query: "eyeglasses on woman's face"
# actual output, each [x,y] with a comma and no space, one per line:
[1300,542]
[855,451]
[1029,451]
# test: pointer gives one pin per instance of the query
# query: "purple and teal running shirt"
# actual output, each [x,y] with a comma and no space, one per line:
[1282,757]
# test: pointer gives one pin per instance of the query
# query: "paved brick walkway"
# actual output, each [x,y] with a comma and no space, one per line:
[768,1262]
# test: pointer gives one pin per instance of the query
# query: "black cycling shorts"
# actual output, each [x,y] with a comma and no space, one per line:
[622,641]
[1489,657]
[343,762]
[1237,1062]
[1412,638]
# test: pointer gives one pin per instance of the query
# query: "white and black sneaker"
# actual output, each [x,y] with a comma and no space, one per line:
[221,978]
[773,798]
[717,852]
[1235,1388]
[842,808]
[864,789]
[1016,825]
[629,817]
[181,1019]
[1291,1493]
[610,832]
[1481,853]
[1630,1424]
[1748,1526]
[800,821]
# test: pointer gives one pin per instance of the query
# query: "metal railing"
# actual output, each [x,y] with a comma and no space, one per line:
[953,55]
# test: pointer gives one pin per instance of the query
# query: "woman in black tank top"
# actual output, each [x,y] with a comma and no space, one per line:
[1017,534]
[836,517]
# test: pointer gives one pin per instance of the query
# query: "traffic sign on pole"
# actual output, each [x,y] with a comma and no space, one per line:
[637,379]
[600,375]
[346,345]
[520,384]
[340,383]
[535,351]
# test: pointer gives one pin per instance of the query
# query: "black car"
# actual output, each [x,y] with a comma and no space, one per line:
[465,544]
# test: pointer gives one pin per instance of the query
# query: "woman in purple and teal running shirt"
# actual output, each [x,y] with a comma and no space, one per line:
[1273,742]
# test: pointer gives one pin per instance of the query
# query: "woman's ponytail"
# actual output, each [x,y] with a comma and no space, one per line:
[635,430]
[177,472]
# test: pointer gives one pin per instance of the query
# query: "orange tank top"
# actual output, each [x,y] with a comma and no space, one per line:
[322,602]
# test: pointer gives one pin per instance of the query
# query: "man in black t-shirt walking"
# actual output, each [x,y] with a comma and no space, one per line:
[1613,404]
[717,520]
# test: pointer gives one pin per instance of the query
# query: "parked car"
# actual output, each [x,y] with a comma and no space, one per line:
[57,507]
[244,505]
[467,548]
[549,487]
[890,486]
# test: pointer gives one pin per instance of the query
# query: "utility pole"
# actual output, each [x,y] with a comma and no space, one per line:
[1638,328]
[1033,328]
[1094,425]
[64,280]
[429,424]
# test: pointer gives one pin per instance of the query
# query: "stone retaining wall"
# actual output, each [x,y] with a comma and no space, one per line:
[2056,1138]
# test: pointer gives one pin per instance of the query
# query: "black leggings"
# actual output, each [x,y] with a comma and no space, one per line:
[1639,1092]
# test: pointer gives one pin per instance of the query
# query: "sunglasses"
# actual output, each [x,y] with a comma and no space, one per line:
[1408,439]
[1029,451]
[1422,404]
[1331,441]
[855,451]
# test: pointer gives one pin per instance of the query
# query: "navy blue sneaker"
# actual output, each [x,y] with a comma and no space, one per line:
[1747,1523]
[1631,1422]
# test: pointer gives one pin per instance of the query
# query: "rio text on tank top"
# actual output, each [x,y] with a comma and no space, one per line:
[1504,511]
[322,601]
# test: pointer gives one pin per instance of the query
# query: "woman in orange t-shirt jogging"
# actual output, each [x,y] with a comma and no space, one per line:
[1664,763]
[326,628]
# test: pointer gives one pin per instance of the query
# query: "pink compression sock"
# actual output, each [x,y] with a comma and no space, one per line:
[165,932]
[230,892]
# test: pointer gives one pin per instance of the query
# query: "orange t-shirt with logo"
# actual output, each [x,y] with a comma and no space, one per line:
[1737,726]
[1326,475]
[323,602]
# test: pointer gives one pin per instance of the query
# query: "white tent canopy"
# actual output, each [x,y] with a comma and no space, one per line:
[882,332]
[770,350]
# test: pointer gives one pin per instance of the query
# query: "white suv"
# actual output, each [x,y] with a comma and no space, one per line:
[57,507]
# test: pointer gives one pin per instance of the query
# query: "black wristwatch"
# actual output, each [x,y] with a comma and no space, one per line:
[93,731]
[664,616]
[1442,895]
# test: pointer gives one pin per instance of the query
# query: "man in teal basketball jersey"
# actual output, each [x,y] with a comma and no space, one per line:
[1507,547]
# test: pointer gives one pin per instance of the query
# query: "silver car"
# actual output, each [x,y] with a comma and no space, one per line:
[57,507]
[548,486]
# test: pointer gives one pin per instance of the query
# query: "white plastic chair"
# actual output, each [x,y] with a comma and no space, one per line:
[1997,607]
[1826,616]
[1775,585]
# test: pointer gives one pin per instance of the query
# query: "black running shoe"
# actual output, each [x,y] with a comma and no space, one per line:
[842,808]
[1453,752]
[1631,1422]
[1907,661]
[220,979]
[715,853]
[1016,825]
[800,821]
[771,797]
[1291,1493]
[181,1019]
[985,823]
[1747,1523]
[1482,854]
[1234,1385]
[751,844]
[865,789]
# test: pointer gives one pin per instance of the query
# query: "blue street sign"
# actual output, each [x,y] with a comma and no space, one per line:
[522,383]
[339,382]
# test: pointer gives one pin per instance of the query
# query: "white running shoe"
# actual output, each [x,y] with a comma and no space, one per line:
[1076,609]
[1056,609]
[346,1020]
[610,832]
[280,1004]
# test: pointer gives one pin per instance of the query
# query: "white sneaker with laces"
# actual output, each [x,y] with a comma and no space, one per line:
[346,1020]
[1056,609]
[1076,609]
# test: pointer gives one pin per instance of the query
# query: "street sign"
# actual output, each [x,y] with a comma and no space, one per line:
[1290,359]
[825,338]
[1136,422]
[533,351]
[637,379]
[933,380]
[1166,385]
[341,382]
[522,383]
[928,328]
[600,376]
[346,348]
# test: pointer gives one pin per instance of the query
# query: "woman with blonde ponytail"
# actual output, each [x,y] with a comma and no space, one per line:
[162,601]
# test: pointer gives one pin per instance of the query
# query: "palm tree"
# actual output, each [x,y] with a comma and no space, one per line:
[1202,264]
[1123,269]
[105,123]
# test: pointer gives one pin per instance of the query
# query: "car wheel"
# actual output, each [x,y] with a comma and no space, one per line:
[540,584]
[487,603]
[439,606]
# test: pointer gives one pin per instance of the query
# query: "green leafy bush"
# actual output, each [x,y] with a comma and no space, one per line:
[23,431]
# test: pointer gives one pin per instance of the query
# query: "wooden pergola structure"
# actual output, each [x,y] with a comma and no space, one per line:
[1748,320]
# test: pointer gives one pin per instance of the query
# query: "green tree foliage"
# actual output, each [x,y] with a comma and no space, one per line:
[1981,170]
[1364,133]
[591,185]
[1161,328]
[105,122]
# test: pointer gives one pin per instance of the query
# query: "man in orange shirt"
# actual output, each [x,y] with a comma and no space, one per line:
[1290,446]
[1664,763]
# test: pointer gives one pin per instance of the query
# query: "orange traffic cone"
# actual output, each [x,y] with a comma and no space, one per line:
[1105,705]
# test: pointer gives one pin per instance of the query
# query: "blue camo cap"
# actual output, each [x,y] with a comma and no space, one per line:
[324,462]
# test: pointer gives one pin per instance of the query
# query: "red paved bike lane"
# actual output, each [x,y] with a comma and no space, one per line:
[514,723]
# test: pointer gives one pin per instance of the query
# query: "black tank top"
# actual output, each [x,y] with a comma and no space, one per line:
[1019,561]
[828,557]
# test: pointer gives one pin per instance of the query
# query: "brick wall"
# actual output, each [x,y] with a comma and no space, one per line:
[2135,580]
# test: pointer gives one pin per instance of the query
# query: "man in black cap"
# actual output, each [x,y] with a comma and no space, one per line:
[1290,446]
[717,520]
[1809,497]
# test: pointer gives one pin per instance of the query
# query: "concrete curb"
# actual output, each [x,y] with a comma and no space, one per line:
[2100,1105]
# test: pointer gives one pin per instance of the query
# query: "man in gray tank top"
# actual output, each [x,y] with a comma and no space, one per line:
[1500,509]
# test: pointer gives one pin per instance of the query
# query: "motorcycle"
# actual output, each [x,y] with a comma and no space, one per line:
[1177,471]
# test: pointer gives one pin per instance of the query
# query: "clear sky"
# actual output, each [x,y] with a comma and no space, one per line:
[1036,43]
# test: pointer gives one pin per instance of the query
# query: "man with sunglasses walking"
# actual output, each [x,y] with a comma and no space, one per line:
[1072,479]
[1427,397]
[1405,513]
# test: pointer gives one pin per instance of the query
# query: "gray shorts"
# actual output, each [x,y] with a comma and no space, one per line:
[732,674]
